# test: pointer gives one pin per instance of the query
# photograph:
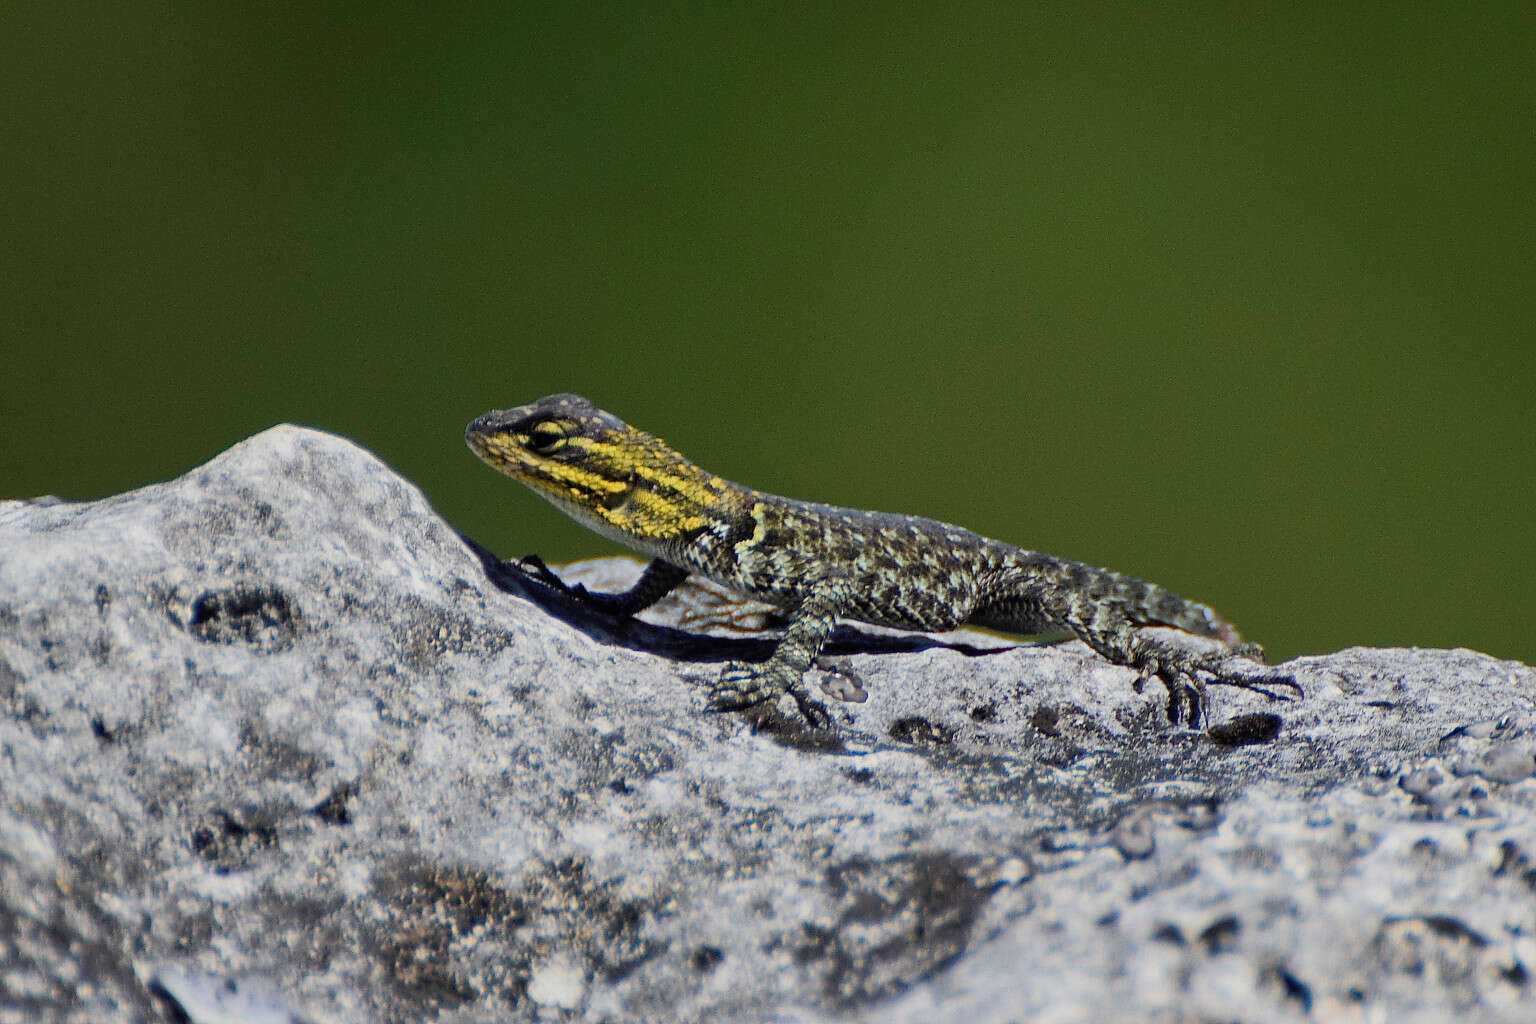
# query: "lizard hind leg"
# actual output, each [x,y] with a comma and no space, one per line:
[1184,681]
[1184,671]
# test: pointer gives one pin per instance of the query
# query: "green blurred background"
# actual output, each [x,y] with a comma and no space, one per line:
[1239,300]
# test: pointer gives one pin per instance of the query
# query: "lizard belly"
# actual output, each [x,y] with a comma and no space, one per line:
[934,604]
[896,571]
[906,606]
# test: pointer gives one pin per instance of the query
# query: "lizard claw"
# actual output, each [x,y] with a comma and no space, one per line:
[1266,683]
[1188,702]
[609,604]
[1186,697]
[534,566]
[814,711]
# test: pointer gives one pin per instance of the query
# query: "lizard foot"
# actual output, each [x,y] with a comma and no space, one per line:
[1186,679]
[744,687]
[1187,697]
[535,568]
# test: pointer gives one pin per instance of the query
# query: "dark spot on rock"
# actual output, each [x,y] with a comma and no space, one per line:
[100,731]
[230,843]
[1291,988]
[1170,934]
[1044,720]
[706,959]
[10,681]
[895,922]
[862,775]
[1513,861]
[334,808]
[1245,730]
[436,912]
[267,520]
[983,712]
[277,755]
[99,647]
[920,732]
[1431,945]
[456,935]
[1510,857]
[1135,835]
[1515,974]
[621,786]
[1451,928]
[796,735]
[167,1003]
[792,731]
[261,616]
[1221,935]
[1200,815]
[1059,754]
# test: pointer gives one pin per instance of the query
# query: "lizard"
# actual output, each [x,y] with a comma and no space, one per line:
[824,563]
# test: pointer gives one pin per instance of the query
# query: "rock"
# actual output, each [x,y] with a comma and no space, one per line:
[278,744]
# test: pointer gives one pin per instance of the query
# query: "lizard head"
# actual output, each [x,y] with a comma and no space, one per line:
[604,473]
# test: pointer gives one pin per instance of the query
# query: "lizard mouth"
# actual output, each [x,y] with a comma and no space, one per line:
[488,438]
[496,439]
[493,424]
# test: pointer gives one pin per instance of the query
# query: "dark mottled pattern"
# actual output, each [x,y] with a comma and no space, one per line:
[823,563]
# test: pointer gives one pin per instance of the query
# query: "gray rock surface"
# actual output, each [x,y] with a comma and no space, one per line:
[277,744]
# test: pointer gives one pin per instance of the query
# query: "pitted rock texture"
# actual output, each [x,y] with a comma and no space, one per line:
[276,744]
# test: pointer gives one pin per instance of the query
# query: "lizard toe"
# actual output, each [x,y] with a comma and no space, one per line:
[1186,697]
[1265,683]
[814,711]
[535,567]
[742,686]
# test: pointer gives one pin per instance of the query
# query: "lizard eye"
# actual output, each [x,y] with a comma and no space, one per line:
[547,437]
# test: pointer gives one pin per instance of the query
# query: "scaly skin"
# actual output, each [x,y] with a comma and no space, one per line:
[822,563]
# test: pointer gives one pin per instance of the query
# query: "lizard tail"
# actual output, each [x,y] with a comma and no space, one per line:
[1141,602]
[1151,605]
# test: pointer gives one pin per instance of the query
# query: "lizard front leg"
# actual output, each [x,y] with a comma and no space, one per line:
[658,580]
[811,621]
